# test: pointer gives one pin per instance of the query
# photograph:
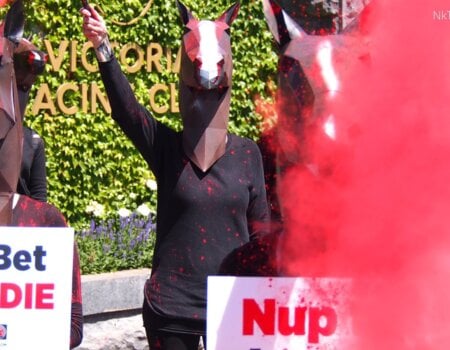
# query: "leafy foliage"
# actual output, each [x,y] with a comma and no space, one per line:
[116,244]
[88,157]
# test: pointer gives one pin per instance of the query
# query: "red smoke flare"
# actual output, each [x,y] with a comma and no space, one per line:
[4,2]
[381,216]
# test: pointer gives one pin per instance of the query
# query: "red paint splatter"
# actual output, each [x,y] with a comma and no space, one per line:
[173,278]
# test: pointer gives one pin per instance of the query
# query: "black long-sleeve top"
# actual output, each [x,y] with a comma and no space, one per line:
[33,172]
[201,216]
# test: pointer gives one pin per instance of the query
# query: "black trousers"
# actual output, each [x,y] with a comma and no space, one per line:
[167,340]
[161,340]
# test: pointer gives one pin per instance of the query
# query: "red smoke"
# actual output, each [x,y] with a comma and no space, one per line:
[4,2]
[381,216]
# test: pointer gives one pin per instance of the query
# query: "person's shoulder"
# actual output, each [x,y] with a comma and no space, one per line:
[39,213]
[35,136]
[32,136]
[27,132]
[242,140]
[53,216]
[244,143]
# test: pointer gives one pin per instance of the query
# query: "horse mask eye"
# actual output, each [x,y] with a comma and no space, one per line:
[28,65]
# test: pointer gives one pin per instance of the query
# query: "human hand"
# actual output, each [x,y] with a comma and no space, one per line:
[94,27]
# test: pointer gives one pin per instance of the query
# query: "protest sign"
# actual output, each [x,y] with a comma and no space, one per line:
[277,313]
[35,287]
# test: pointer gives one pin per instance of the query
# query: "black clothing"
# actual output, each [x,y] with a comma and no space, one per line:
[33,174]
[255,258]
[168,340]
[267,145]
[173,341]
[201,216]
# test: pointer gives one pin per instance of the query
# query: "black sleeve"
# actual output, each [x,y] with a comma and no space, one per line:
[135,120]
[258,214]
[38,175]
[76,319]
[76,328]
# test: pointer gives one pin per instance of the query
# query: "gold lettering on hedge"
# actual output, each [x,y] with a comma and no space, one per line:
[73,55]
[43,101]
[124,57]
[56,61]
[173,98]
[151,56]
[177,64]
[85,97]
[97,94]
[169,59]
[163,89]
[90,67]
[60,95]
[90,95]
[154,54]
[152,93]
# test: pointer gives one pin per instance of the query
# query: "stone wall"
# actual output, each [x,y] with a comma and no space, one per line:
[112,311]
[112,304]
[117,331]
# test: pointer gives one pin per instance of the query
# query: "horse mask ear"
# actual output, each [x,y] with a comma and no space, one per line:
[230,14]
[15,22]
[185,14]
[281,25]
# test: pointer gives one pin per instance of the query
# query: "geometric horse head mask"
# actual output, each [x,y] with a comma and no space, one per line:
[311,79]
[11,32]
[205,85]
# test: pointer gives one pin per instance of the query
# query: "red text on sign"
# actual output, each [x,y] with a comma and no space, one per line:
[319,320]
[29,296]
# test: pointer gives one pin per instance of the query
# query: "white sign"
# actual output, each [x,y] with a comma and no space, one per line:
[35,287]
[277,313]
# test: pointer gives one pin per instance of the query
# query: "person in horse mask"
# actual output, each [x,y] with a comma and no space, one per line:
[29,63]
[15,209]
[211,191]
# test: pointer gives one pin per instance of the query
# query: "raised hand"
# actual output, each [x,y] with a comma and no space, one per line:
[94,27]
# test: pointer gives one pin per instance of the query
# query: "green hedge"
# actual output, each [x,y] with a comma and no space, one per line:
[88,158]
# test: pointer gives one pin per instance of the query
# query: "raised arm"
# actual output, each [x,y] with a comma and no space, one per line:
[135,120]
